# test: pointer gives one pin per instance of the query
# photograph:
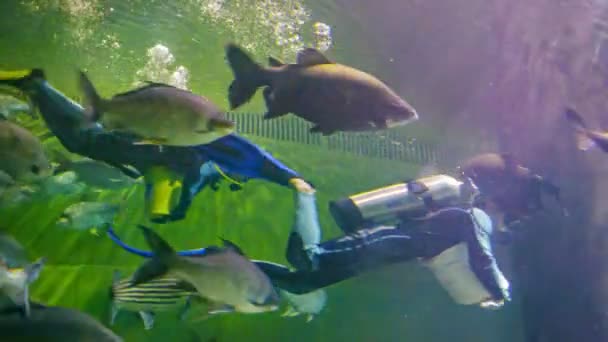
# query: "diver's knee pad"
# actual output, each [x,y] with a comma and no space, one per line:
[400,201]
[165,190]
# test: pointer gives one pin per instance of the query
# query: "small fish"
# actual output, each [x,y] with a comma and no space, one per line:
[159,114]
[88,216]
[22,156]
[12,253]
[61,184]
[93,173]
[9,111]
[515,189]
[309,304]
[586,138]
[52,324]
[334,97]
[159,294]
[222,276]
[14,283]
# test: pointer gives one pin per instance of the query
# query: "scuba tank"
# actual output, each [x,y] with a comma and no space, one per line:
[401,201]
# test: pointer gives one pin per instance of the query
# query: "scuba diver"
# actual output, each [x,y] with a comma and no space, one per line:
[172,174]
[438,224]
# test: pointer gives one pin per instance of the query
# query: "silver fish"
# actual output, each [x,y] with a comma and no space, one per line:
[222,276]
[22,156]
[159,114]
[160,294]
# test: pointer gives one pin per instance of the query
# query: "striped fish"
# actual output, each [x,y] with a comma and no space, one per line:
[159,294]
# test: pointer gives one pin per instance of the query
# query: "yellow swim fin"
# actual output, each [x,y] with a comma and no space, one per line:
[166,188]
[14,74]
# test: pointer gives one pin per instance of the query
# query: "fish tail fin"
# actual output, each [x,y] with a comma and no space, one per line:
[248,76]
[20,78]
[159,264]
[92,98]
[581,136]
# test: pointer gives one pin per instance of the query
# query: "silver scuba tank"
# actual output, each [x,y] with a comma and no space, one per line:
[400,201]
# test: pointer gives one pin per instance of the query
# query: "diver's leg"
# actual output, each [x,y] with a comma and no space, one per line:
[348,256]
[239,156]
[305,233]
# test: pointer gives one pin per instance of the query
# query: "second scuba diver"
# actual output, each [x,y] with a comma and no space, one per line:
[442,221]
[172,174]
[453,241]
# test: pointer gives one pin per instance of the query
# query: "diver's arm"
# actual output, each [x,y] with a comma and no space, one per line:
[195,180]
[482,260]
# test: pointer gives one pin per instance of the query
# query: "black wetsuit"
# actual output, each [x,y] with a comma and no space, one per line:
[369,249]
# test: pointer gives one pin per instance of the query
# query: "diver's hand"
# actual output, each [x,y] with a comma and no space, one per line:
[492,304]
[302,186]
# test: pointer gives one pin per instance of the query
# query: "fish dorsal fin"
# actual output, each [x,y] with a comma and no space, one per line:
[210,250]
[149,85]
[230,245]
[274,62]
[310,57]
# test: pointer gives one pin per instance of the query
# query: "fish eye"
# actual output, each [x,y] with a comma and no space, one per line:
[35,169]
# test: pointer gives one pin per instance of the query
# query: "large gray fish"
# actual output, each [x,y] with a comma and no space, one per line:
[160,294]
[586,138]
[334,97]
[222,276]
[159,114]
[52,324]
[15,282]
[21,154]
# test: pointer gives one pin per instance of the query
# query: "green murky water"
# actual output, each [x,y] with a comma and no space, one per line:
[113,41]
